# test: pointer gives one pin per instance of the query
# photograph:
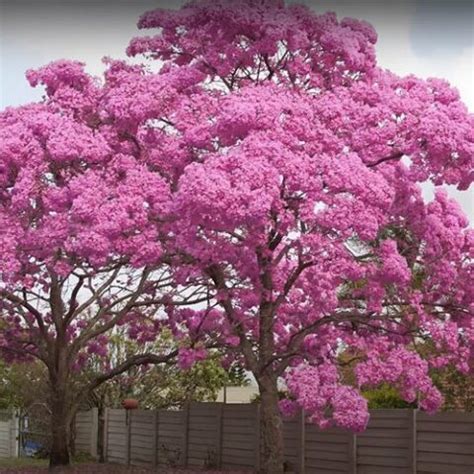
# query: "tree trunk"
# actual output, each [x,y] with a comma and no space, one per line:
[62,413]
[271,427]
[60,431]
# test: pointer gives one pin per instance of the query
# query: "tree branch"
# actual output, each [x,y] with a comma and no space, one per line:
[395,156]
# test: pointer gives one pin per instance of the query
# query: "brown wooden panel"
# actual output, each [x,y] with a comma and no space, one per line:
[445,427]
[134,443]
[446,458]
[318,437]
[328,455]
[381,461]
[238,461]
[165,432]
[450,438]
[448,417]
[390,413]
[328,465]
[388,442]
[242,431]
[232,437]
[327,447]
[237,450]
[442,447]
[140,426]
[436,468]
[384,433]
[383,451]
[383,470]
[202,431]
[388,423]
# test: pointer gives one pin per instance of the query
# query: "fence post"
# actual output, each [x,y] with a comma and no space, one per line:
[186,411]
[128,419]
[105,436]
[14,435]
[301,445]
[257,437]
[94,431]
[353,453]
[412,437]
[154,441]
[8,436]
[220,421]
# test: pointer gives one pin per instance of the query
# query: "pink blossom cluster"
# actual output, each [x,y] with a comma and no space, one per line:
[406,370]
[326,401]
[187,357]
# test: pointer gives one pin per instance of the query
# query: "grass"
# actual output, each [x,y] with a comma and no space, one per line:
[21,463]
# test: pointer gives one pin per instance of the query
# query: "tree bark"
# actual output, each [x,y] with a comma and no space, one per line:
[62,410]
[60,430]
[271,427]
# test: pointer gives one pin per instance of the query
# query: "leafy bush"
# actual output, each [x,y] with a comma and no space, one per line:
[386,396]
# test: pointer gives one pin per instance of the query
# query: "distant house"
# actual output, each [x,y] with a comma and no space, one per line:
[237,394]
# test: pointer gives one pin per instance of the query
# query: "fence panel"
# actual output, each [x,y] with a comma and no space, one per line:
[292,438]
[171,437]
[204,427]
[385,445]
[142,437]
[326,452]
[9,426]
[5,439]
[117,436]
[86,432]
[239,435]
[445,443]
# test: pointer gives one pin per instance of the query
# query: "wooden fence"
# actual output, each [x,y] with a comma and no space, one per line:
[8,435]
[86,432]
[226,436]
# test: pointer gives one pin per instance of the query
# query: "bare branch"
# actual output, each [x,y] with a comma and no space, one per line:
[394,156]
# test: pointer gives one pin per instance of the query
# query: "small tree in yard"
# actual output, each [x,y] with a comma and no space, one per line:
[268,169]
[82,216]
[162,386]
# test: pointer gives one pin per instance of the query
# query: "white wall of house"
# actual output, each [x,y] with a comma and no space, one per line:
[237,394]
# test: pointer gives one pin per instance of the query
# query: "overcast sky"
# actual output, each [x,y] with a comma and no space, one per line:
[430,38]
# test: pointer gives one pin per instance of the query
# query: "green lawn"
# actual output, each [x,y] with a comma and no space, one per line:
[12,463]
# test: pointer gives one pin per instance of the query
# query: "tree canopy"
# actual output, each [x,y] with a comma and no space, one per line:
[252,184]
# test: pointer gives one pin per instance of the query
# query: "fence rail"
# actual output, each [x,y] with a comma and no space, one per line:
[219,435]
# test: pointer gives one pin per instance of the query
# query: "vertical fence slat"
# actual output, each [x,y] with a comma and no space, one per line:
[94,432]
[412,428]
[128,448]
[186,434]
[257,437]
[156,415]
[105,441]
[15,433]
[353,454]
[220,419]
[301,441]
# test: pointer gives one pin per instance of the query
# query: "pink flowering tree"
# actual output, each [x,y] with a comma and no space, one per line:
[257,189]
[82,217]
[296,166]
